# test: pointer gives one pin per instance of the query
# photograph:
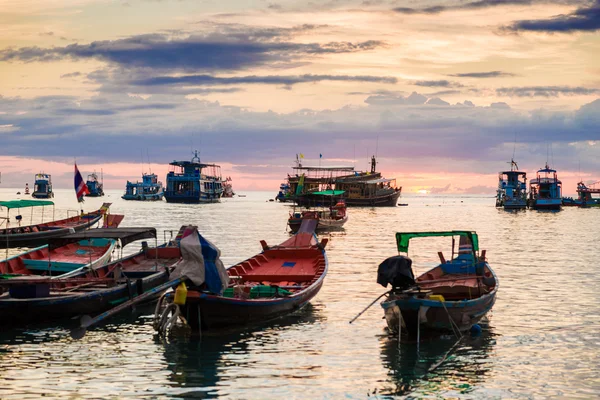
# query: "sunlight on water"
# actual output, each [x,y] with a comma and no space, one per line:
[542,340]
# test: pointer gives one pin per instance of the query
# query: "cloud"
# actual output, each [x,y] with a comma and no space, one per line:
[546,91]
[396,99]
[584,18]
[489,74]
[473,5]
[500,106]
[436,101]
[71,75]
[439,83]
[439,190]
[196,52]
[287,80]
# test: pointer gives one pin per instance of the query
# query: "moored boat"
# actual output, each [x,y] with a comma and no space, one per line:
[150,189]
[227,188]
[40,299]
[95,186]
[278,281]
[512,190]
[588,196]
[284,194]
[333,217]
[545,190]
[35,235]
[42,188]
[450,298]
[188,182]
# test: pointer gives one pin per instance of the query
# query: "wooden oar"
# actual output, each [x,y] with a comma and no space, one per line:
[87,321]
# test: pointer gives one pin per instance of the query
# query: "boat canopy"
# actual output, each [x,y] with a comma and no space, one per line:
[25,203]
[125,235]
[329,193]
[402,238]
[381,180]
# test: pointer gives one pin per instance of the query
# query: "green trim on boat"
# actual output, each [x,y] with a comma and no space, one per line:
[25,203]
[402,238]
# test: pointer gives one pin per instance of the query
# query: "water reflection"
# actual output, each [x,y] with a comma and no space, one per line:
[207,366]
[440,367]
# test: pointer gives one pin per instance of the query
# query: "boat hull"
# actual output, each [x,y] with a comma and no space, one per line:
[207,313]
[191,199]
[42,195]
[388,200]
[68,306]
[322,225]
[546,204]
[433,318]
[26,237]
[144,197]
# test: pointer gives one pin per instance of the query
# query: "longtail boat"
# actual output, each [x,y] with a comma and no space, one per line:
[38,234]
[38,299]
[450,298]
[278,281]
[333,217]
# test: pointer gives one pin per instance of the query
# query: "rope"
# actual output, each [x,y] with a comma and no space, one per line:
[165,317]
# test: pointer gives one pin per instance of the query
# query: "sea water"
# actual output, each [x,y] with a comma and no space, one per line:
[542,338]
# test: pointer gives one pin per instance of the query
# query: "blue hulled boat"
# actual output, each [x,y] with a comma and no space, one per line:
[95,187]
[147,190]
[545,190]
[42,188]
[194,182]
[512,188]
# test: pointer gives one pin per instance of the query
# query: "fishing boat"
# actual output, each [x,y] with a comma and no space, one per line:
[95,186]
[150,189]
[450,298]
[545,190]
[34,235]
[194,182]
[227,188]
[38,299]
[369,189]
[42,188]
[284,194]
[278,281]
[512,188]
[333,217]
[588,196]
[64,260]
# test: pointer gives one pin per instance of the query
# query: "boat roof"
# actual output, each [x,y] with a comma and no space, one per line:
[402,238]
[192,164]
[544,180]
[381,180]
[25,203]
[329,192]
[125,235]
[514,172]
[339,168]
[547,169]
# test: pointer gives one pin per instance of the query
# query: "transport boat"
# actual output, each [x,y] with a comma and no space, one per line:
[545,190]
[327,218]
[588,196]
[450,298]
[194,182]
[284,195]
[42,188]
[149,189]
[95,186]
[512,188]
[368,188]
[38,299]
[34,235]
[276,282]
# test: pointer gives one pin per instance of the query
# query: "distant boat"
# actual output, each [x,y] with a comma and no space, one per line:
[42,188]
[512,190]
[227,188]
[545,190]
[284,194]
[368,189]
[26,188]
[150,189]
[450,298]
[95,186]
[585,194]
[194,182]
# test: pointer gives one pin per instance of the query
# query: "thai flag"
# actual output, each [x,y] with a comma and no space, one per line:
[81,188]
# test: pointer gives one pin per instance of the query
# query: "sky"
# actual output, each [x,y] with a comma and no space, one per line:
[444,92]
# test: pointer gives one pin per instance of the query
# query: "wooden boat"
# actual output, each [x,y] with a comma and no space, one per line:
[150,189]
[279,280]
[89,292]
[452,297]
[42,188]
[94,185]
[194,182]
[63,260]
[39,234]
[333,218]
[512,188]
